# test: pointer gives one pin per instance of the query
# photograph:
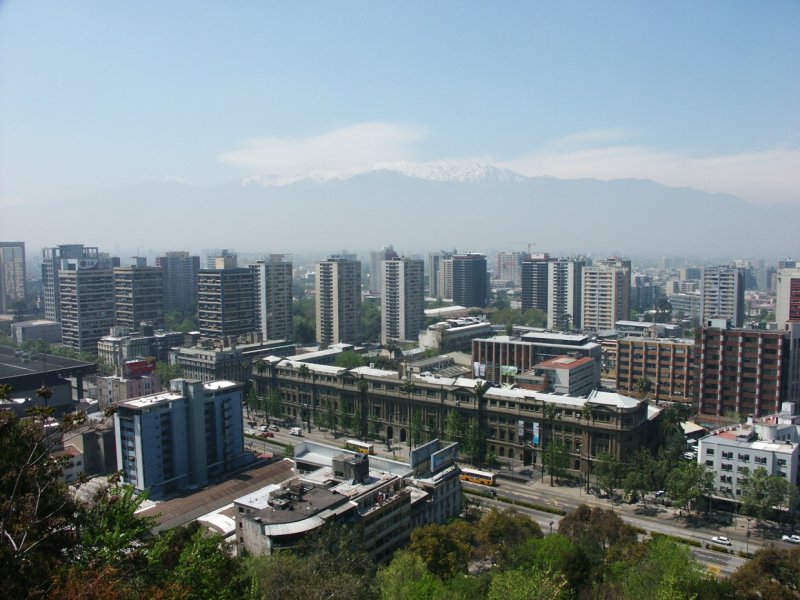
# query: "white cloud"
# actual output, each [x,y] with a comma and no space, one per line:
[760,177]
[348,148]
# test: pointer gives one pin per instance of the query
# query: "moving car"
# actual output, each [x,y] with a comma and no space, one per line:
[296,431]
[721,539]
[274,428]
[267,434]
[792,539]
[262,427]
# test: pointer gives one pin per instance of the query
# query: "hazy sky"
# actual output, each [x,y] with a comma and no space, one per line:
[97,94]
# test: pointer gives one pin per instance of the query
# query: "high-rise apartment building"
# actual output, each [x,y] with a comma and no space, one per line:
[272,279]
[534,282]
[12,275]
[470,280]
[338,309]
[180,281]
[86,303]
[509,267]
[222,259]
[722,294]
[787,300]
[138,295]
[565,298]
[434,262]
[742,371]
[51,263]
[375,260]
[402,300]
[226,302]
[606,294]
[445,285]
[189,436]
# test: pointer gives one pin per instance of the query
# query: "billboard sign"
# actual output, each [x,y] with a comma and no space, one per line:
[444,458]
[535,433]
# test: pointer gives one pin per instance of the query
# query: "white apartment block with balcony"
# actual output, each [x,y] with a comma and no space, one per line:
[769,442]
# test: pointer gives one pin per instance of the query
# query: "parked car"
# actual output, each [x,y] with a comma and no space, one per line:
[660,493]
[721,539]
[274,428]
[792,539]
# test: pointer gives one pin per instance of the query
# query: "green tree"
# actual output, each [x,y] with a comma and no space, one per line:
[688,483]
[771,574]
[474,441]
[417,428]
[639,477]
[499,534]
[349,359]
[644,385]
[557,459]
[168,372]
[304,320]
[407,578]
[595,530]
[207,569]
[408,387]
[557,554]
[371,322]
[443,551]
[527,584]
[454,426]
[110,533]
[274,405]
[588,414]
[551,413]
[609,471]
[37,522]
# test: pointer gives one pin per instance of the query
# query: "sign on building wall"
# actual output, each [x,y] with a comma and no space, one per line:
[535,433]
[508,370]
[521,430]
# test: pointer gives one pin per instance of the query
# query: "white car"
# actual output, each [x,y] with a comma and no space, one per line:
[262,427]
[721,539]
[792,539]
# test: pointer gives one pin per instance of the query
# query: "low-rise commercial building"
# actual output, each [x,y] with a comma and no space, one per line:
[454,334]
[733,453]
[38,330]
[515,422]
[563,375]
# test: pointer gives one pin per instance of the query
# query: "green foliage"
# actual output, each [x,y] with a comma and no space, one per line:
[688,483]
[609,471]
[274,405]
[762,491]
[417,427]
[304,321]
[557,459]
[557,554]
[527,584]
[370,322]
[454,426]
[36,512]
[349,360]
[443,551]
[644,385]
[500,534]
[659,568]
[110,533]
[640,474]
[771,574]
[474,441]
[595,530]
[178,321]
[515,316]
[207,569]
[168,372]
[407,578]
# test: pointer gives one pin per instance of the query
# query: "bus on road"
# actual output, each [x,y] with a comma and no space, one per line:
[475,476]
[362,447]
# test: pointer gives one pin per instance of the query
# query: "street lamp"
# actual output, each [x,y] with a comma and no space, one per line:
[747,541]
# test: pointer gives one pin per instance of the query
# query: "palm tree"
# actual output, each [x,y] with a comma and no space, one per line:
[363,402]
[588,414]
[480,389]
[551,413]
[304,372]
[408,388]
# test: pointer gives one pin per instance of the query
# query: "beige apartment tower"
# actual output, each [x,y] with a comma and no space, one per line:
[402,300]
[138,296]
[606,294]
[273,301]
[338,308]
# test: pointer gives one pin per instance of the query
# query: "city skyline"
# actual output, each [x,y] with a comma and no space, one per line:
[111,99]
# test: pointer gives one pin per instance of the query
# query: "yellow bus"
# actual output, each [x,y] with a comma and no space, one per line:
[475,476]
[362,447]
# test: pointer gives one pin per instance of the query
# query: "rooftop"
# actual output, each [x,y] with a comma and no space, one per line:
[564,362]
[33,363]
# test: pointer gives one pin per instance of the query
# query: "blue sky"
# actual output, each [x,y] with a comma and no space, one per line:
[105,94]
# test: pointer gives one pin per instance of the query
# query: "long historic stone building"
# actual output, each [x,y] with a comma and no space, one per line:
[517,423]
